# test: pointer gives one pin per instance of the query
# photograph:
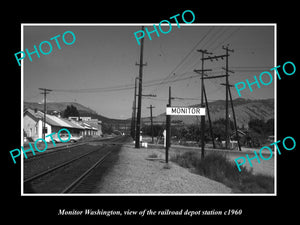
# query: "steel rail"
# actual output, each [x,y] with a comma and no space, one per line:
[85,172]
[56,167]
[53,150]
[77,181]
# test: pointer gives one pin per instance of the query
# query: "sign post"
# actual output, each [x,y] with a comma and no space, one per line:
[184,111]
[168,129]
[165,135]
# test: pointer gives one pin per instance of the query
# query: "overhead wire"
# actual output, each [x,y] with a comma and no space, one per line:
[123,87]
[218,34]
[176,76]
[227,38]
[155,82]
[215,38]
[183,60]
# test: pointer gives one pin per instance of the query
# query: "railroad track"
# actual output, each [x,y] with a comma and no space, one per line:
[30,156]
[78,174]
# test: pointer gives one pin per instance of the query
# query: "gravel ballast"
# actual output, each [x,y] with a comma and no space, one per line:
[139,171]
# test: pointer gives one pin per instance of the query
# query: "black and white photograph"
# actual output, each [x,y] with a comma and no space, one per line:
[128,113]
[109,85]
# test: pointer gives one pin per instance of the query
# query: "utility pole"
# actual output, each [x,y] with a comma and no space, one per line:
[168,129]
[206,103]
[45,92]
[226,86]
[219,76]
[228,92]
[151,119]
[209,120]
[202,102]
[234,118]
[133,120]
[138,121]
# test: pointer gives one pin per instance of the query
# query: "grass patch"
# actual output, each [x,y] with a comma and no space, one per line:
[217,167]
[153,155]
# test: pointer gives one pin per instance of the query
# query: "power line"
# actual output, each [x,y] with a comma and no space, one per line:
[122,87]
[27,99]
[212,41]
[156,82]
[184,58]
[217,36]
[226,39]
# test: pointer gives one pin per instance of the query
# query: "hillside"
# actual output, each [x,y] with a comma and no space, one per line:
[245,109]
[61,106]
[58,106]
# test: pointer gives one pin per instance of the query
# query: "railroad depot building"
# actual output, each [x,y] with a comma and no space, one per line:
[87,121]
[33,125]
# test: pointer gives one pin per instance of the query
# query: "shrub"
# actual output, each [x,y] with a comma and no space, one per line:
[153,155]
[188,159]
[216,166]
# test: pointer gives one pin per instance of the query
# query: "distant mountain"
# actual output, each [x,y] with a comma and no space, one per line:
[245,109]
[57,106]
[61,106]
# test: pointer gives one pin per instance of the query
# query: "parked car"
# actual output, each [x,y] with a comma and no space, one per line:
[65,138]
[75,138]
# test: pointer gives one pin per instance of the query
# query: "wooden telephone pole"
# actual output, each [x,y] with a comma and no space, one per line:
[151,120]
[139,109]
[45,92]
[202,98]
[227,92]
[133,119]
[168,129]
[233,113]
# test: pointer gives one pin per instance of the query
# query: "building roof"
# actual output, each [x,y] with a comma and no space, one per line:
[88,126]
[54,120]
[73,123]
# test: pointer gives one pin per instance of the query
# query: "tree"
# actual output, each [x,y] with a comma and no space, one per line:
[259,131]
[194,132]
[157,130]
[219,128]
[257,125]
[269,127]
[70,111]
[107,128]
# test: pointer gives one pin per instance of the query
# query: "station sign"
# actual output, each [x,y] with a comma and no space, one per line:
[185,111]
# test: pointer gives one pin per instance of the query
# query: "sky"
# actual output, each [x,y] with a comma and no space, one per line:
[99,69]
